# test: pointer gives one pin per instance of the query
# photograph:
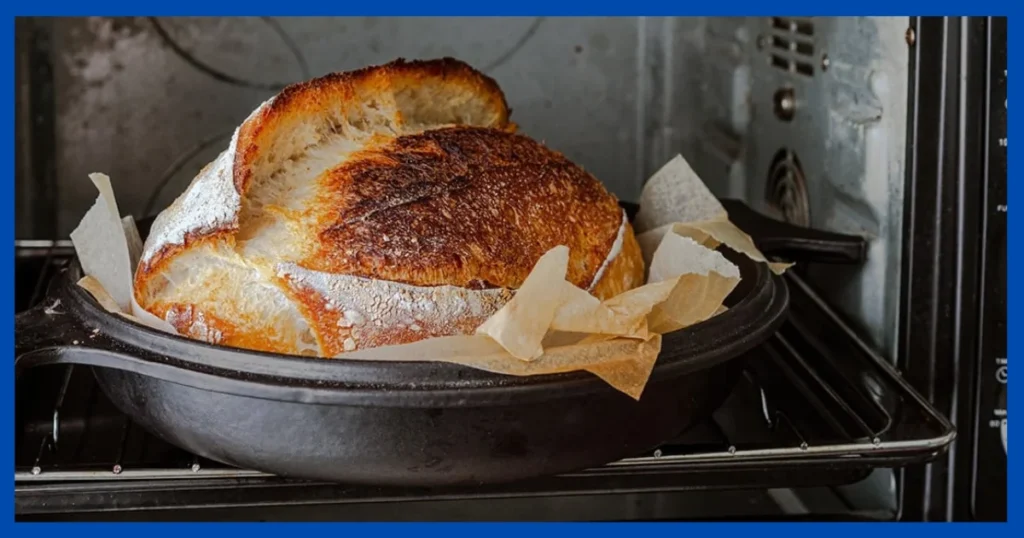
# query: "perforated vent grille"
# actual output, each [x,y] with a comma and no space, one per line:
[791,45]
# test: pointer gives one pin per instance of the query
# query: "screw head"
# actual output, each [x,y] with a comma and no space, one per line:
[911,37]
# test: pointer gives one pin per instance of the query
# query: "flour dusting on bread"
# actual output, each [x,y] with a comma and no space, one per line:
[211,202]
[350,311]
[376,207]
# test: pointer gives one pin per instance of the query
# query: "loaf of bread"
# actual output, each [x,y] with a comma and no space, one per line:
[375,207]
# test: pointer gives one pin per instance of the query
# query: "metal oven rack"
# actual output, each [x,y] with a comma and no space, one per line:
[815,407]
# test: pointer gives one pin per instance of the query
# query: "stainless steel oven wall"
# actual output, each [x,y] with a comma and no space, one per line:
[806,119]
[747,100]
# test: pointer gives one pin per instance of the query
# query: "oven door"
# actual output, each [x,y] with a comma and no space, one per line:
[953,322]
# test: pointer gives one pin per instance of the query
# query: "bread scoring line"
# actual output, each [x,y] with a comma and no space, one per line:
[209,204]
[612,253]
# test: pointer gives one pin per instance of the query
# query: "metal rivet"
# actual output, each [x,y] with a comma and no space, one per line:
[911,37]
[785,104]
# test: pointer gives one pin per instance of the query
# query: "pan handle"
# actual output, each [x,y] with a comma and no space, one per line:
[46,332]
[49,334]
[48,324]
[794,243]
[778,239]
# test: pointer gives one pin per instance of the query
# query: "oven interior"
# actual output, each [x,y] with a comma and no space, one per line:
[808,120]
[803,118]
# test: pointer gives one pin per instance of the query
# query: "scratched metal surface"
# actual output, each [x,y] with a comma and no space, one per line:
[850,134]
[711,98]
[151,101]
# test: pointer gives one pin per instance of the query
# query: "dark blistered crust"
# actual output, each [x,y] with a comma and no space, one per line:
[462,206]
[307,99]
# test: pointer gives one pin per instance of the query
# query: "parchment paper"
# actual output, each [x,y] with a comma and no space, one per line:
[675,199]
[549,326]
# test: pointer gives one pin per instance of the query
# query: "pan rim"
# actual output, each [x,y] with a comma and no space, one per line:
[751,319]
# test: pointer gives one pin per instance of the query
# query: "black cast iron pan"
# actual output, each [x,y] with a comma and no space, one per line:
[409,423]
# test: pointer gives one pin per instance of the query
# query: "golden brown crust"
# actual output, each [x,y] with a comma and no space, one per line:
[343,92]
[462,206]
[193,321]
[148,269]
[432,210]
[346,90]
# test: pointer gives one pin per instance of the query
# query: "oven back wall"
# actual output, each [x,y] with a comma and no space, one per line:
[150,101]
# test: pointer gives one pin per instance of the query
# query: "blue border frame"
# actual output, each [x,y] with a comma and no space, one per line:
[461,7]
